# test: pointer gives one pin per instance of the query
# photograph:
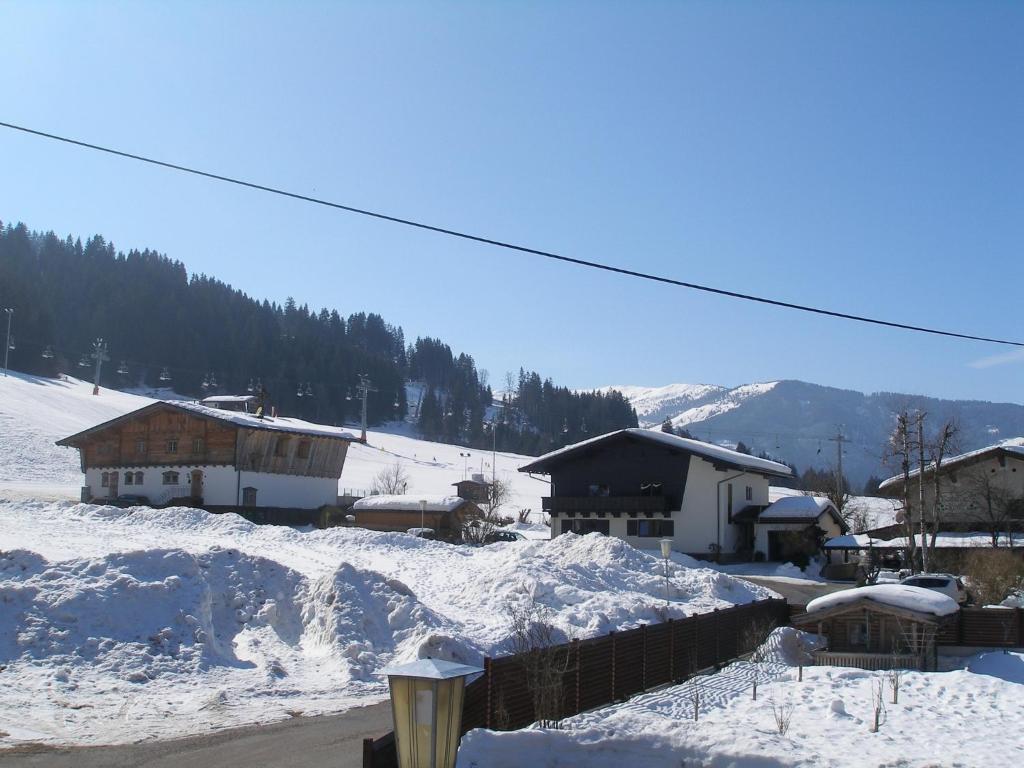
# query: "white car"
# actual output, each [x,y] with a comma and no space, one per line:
[945,583]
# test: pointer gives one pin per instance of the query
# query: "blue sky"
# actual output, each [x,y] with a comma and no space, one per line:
[867,157]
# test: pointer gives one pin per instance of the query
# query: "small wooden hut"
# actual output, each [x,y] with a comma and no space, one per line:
[878,627]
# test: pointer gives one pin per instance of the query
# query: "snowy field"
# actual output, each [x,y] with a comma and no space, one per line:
[970,716]
[122,625]
[35,412]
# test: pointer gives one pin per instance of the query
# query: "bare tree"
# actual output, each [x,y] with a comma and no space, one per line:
[877,702]
[392,480]
[985,498]
[899,451]
[782,712]
[945,442]
[523,515]
[545,658]
[893,676]
[496,496]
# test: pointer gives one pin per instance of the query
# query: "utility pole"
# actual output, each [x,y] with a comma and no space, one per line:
[99,354]
[7,345]
[364,389]
[920,487]
[838,440]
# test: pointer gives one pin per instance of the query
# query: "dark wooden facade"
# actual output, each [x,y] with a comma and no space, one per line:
[167,436]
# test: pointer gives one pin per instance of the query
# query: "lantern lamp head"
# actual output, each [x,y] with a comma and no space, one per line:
[426,701]
[666,548]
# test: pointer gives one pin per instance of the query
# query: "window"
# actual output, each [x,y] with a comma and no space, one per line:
[138,478]
[172,445]
[170,478]
[650,489]
[646,529]
[585,526]
[750,493]
[105,479]
[303,451]
[197,445]
[140,447]
[281,446]
[129,478]
[858,634]
[249,497]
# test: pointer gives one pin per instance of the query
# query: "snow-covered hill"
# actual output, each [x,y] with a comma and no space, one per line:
[35,412]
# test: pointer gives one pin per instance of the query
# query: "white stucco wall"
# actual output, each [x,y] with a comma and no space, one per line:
[221,486]
[704,518]
[291,491]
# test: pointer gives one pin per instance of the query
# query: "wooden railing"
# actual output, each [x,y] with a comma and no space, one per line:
[561,505]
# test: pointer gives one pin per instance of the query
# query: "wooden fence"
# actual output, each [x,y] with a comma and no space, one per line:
[982,627]
[607,669]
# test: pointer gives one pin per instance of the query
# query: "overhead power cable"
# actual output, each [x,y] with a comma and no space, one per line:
[513,246]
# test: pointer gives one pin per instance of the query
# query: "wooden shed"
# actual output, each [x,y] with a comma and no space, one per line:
[445,515]
[878,627]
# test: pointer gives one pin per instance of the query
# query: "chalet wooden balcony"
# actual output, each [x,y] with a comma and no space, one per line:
[604,506]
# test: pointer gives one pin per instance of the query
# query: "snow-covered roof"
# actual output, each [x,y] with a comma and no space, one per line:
[409,503]
[238,418]
[853,541]
[711,452]
[229,399]
[809,507]
[905,597]
[1013,445]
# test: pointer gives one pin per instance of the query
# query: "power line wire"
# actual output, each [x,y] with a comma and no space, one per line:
[513,246]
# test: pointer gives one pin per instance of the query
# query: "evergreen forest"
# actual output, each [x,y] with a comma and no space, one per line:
[163,328]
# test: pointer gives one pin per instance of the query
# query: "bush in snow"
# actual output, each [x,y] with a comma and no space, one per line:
[994,575]
[545,658]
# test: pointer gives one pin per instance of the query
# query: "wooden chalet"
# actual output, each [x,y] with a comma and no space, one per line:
[444,515]
[185,452]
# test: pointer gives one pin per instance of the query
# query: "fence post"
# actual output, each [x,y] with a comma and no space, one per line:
[718,639]
[643,657]
[611,636]
[1020,628]
[578,665]
[671,651]
[488,674]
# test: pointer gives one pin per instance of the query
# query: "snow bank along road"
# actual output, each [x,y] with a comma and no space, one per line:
[126,625]
[966,717]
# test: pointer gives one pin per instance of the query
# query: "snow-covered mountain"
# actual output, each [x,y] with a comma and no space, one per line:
[794,420]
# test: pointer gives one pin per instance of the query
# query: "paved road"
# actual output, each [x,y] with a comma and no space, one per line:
[331,741]
[797,591]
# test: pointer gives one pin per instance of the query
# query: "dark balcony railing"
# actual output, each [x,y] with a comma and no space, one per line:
[563,505]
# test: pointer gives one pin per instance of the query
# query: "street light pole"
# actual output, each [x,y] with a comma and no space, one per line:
[7,345]
[666,550]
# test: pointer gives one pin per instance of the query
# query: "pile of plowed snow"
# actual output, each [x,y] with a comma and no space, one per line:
[118,625]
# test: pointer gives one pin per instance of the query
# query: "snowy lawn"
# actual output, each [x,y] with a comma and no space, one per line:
[122,625]
[967,717]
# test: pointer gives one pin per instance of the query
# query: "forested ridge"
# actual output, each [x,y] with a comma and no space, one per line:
[166,328]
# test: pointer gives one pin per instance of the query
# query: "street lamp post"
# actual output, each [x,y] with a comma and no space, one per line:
[426,702]
[465,463]
[666,551]
[7,344]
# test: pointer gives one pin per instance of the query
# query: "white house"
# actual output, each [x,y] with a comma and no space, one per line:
[641,485]
[185,452]
[795,515]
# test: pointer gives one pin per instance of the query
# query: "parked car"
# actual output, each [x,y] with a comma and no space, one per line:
[945,583]
[130,500]
[495,536]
